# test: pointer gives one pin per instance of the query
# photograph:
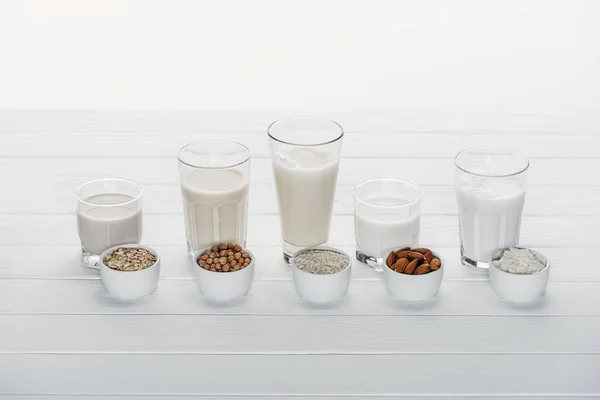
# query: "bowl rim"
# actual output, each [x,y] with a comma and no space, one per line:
[304,250]
[197,254]
[128,245]
[501,250]
[435,253]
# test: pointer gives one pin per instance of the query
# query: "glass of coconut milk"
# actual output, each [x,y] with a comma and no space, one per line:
[109,213]
[387,215]
[214,177]
[490,183]
[305,153]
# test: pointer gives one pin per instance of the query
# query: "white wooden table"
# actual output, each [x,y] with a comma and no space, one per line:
[60,334]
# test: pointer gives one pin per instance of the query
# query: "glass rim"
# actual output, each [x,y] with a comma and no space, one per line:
[341,134]
[410,203]
[80,199]
[246,150]
[511,151]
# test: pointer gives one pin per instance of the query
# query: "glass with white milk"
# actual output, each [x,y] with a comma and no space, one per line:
[306,156]
[109,213]
[387,215]
[490,183]
[214,178]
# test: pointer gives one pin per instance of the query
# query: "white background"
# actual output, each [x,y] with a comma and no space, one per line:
[470,57]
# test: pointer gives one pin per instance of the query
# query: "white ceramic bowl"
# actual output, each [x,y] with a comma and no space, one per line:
[413,287]
[321,288]
[130,285]
[519,288]
[223,286]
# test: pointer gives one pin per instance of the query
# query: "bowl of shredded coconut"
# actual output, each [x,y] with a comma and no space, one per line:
[519,274]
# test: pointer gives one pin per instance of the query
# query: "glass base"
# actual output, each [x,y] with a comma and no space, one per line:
[476,266]
[370,261]
[289,250]
[89,260]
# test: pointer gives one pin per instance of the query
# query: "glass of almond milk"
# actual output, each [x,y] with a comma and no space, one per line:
[214,177]
[387,215]
[305,153]
[109,213]
[490,183]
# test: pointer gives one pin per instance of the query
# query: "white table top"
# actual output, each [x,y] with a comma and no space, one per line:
[60,334]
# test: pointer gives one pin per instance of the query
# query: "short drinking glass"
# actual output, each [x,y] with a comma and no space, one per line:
[109,213]
[490,187]
[306,155]
[214,178]
[387,215]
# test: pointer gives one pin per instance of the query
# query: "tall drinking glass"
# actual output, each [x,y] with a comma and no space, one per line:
[490,183]
[109,213]
[214,178]
[387,214]
[306,155]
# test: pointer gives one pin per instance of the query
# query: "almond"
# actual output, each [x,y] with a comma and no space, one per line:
[413,255]
[428,257]
[403,249]
[400,265]
[422,269]
[391,259]
[402,253]
[422,250]
[435,264]
[411,267]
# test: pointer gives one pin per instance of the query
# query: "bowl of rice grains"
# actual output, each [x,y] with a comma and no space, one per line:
[321,274]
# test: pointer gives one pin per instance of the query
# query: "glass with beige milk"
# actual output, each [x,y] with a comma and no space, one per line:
[214,178]
[387,215]
[305,153]
[109,213]
[490,183]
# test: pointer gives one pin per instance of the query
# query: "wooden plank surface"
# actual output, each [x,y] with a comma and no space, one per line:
[309,334]
[58,327]
[31,296]
[300,374]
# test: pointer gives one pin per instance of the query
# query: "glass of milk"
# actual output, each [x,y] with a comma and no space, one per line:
[387,215]
[490,192]
[214,178]
[109,213]
[306,155]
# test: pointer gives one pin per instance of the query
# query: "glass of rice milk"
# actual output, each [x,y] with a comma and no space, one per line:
[305,153]
[109,213]
[387,215]
[490,187]
[214,178]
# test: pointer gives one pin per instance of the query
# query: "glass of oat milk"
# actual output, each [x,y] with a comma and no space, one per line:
[305,153]
[109,213]
[214,178]
[490,187]
[387,215]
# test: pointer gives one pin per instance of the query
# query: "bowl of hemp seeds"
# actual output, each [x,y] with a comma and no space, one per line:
[321,274]
[130,271]
[224,271]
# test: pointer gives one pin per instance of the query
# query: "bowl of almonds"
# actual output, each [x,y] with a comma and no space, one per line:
[224,271]
[130,271]
[413,274]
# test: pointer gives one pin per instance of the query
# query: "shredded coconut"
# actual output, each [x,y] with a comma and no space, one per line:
[519,261]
